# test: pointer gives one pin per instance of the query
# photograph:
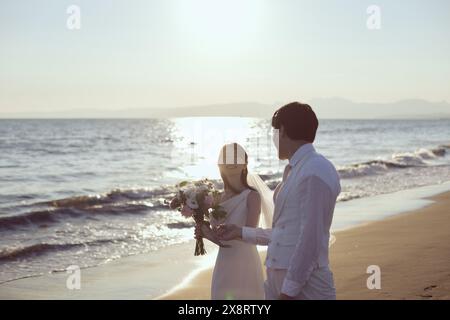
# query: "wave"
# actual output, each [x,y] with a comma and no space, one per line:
[114,196]
[116,202]
[419,158]
[34,250]
[180,225]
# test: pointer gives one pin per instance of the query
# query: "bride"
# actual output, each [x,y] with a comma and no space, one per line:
[238,272]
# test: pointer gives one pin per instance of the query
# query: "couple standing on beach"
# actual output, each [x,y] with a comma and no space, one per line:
[294,221]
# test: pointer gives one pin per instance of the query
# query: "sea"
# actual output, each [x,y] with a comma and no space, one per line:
[87,192]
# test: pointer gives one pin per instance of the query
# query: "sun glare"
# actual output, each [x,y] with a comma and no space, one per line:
[202,139]
[219,22]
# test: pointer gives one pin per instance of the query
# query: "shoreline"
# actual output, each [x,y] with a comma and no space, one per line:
[166,273]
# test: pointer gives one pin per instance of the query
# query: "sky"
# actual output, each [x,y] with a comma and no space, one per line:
[174,53]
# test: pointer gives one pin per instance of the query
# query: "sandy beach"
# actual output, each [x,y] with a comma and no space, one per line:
[138,277]
[411,249]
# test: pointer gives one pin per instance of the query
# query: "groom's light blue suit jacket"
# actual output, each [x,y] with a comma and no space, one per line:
[304,206]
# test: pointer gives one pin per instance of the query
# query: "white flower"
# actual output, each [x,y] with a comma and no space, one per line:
[192,202]
[189,192]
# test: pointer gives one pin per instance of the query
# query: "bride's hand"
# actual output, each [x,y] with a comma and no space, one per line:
[229,232]
[205,231]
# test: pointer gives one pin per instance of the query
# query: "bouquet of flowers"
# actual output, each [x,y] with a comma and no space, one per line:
[198,200]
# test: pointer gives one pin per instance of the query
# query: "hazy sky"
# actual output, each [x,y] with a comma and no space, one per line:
[168,53]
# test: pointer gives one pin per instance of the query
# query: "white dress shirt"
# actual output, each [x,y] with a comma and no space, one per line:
[318,189]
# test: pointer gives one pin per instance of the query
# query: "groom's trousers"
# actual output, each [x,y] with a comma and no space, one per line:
[320,285]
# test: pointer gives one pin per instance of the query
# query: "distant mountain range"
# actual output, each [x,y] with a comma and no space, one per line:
[326,108]
[404,109]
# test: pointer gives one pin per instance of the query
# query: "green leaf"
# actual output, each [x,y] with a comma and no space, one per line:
[219,213]
[182,184]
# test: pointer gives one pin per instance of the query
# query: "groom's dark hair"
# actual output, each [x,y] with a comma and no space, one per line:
[298,120]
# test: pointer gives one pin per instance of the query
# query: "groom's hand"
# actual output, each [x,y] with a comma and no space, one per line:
[283,296]
[229,232]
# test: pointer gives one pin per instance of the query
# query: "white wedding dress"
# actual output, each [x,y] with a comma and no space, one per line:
[238,273]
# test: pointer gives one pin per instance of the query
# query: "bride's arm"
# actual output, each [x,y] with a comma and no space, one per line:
[253,209]
[250,232]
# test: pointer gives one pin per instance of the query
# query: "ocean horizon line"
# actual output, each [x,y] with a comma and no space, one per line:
[446,117]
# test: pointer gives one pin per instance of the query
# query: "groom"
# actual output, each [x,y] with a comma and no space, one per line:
[297,255]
